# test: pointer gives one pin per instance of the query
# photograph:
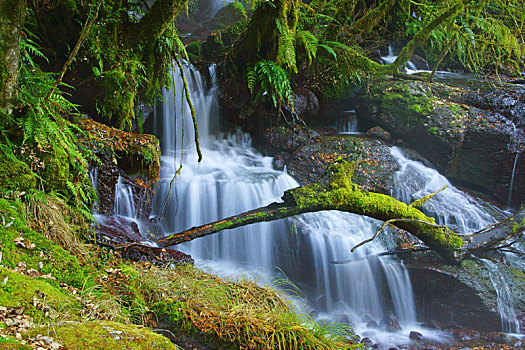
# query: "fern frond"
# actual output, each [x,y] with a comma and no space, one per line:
[328,49]
[309,42]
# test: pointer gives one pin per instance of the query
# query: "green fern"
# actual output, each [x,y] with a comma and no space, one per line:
[309,42]
[44,127]
[286,47]
[272,81]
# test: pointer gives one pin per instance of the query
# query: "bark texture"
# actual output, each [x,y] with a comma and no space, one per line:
[12,15]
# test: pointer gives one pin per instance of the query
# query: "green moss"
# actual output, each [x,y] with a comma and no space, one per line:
[337,192]
[15,175]
[116,99]
[55,260]
[19,291]
[56,169]
[110,335]
[406,101]
[194,50]
[223,225]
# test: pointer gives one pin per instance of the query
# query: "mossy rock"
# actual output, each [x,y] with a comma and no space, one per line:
[19,291]
[16,176]
[55,260]
[56,169]
[476,275]
[134,153]
[110,335]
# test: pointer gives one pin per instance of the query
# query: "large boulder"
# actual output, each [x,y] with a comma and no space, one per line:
[308,153]
[306,104]
[471,136]
[462,294]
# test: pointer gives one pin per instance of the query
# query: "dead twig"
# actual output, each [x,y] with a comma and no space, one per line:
[389,222]
[83,36]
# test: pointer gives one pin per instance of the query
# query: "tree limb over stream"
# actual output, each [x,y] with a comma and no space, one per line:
[337,192]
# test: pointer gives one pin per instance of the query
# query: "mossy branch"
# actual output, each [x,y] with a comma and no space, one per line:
[158,18]
[420,38]
[337,192]
[193,114]
[419,202]
[388,222]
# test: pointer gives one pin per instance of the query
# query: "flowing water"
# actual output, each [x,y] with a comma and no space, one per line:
[509,201]
[347,123]
[451,207]
[509,322]
[233,177]
[461,212]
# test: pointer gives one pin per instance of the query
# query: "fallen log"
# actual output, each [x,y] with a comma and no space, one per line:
[335,191]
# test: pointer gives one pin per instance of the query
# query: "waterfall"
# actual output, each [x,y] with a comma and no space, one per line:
[347,123]
[232,178]
[93,176]
[509,201]
[451,207]
[509,322]
[461,212]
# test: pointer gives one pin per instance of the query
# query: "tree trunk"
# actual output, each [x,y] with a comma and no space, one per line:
[263,38]
[12,15]
[336,192]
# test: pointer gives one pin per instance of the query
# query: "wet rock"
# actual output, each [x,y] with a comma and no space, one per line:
[432,324]
[471,134]
[431,347]
[155,255]
[306,104]
[415,335]
[390,323]
[279,162]
[378,132]
[307,156]
[466,335]
[372,324]
[325,131]
[419,62]
[287,139]
[107,177]
[115,231]
[500,338]
[123,235]
[461,293]
[367,342]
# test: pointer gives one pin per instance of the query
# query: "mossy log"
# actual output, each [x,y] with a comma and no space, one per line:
[337,192]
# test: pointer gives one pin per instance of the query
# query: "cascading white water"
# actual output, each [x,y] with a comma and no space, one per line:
[457,210]
[347,123]
[509,201]
[451,207]
[233,178]
[509,322]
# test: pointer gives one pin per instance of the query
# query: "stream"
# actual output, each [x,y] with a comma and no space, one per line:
[370,293]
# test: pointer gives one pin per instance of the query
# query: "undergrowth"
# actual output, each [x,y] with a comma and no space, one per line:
[234,312]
